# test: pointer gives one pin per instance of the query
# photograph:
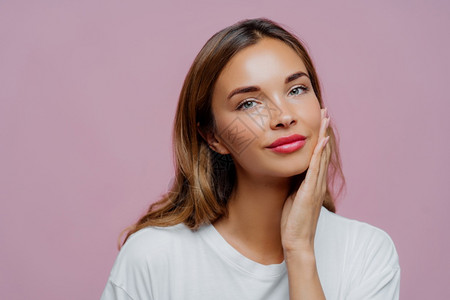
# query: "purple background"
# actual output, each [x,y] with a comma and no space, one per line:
[88,91]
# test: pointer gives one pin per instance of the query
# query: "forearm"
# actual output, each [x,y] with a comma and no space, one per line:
[304,280]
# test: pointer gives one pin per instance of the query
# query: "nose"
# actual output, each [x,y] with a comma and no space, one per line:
[282,115]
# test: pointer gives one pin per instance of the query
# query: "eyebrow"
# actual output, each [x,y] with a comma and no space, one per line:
[249,89]
[295,76]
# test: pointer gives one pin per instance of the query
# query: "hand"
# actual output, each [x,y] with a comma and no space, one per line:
[301,210]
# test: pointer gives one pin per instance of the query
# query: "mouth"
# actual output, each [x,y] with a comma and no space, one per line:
[288,144]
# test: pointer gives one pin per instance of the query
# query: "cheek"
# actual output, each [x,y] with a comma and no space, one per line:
[235,133]
[311,116]
[316,122]
[310,121]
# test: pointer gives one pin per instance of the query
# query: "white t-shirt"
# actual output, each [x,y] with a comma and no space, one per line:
[354,260]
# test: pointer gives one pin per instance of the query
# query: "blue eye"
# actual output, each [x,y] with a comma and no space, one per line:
[298,90]
[244,106]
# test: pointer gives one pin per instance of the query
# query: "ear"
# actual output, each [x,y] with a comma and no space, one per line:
[212,141]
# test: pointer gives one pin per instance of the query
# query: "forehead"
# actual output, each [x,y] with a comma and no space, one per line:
[268,61]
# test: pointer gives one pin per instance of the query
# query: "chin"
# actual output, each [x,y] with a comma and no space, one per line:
[279,167]
[289,171]
[294,167]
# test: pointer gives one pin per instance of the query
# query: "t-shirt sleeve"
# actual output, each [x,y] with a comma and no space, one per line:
[114,292]
[378,275]
[137,269]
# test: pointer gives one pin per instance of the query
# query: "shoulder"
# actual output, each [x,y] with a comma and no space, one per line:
[364,254]
[353,229]
[149,249]
[152,242]
[361,240]
[142,261]
[151,239]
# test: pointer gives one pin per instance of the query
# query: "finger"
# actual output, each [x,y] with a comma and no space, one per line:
[324,158]
[323,128]
[314,165]
[323,170]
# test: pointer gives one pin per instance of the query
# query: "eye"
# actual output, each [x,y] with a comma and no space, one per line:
[244,105]
[298,90]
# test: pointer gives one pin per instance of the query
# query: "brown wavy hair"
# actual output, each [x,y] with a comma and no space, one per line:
[204,179]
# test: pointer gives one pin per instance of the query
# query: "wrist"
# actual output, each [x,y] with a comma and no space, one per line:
[300,255]
[299,247]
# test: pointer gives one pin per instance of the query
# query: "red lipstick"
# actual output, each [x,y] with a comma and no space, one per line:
[288,144]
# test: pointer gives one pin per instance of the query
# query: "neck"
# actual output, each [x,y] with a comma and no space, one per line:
[254,218]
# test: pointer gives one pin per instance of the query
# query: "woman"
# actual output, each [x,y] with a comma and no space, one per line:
[250,214]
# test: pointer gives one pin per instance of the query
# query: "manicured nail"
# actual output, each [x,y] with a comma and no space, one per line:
[326,112]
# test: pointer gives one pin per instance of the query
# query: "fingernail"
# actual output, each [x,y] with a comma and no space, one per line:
[326,112]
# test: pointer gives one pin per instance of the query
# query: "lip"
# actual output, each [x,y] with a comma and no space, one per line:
[286,140]
[288,144]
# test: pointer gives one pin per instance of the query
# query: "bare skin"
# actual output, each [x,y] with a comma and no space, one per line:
[264,224]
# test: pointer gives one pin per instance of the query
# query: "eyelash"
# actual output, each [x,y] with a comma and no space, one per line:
[242,104]
[302,87]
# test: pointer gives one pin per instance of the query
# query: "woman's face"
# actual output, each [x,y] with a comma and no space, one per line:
[264,93]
